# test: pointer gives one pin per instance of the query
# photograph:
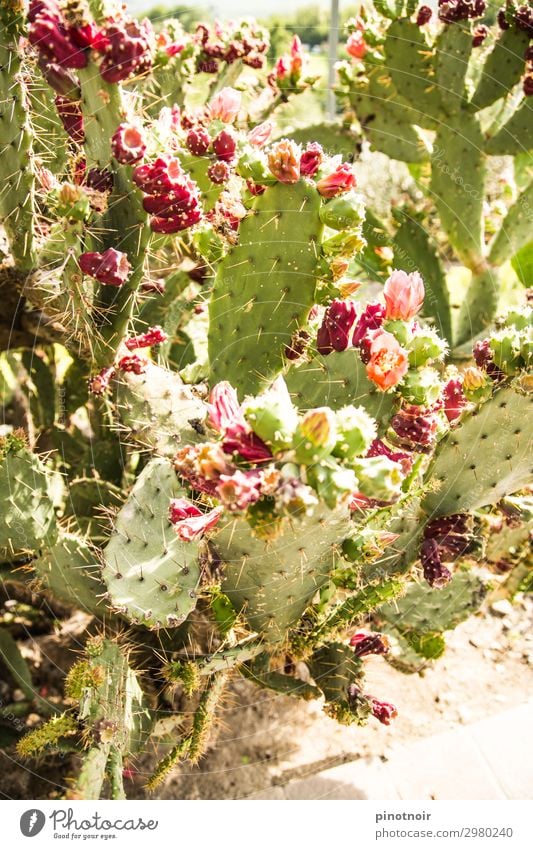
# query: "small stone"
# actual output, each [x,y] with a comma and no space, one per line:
[503,607]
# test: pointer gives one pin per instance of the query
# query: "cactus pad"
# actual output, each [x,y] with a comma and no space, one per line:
[265,287]
[151,576]
[488,457]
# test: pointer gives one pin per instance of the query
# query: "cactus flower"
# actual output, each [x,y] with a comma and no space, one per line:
[341,180]
[128,144]
[239,490]
[404,295]
[260,134]
[388,360]
[311,159]
[284,161]
[225,105]
[111,267]
[226,416]
[192,528]
[297,58]
[182,508]
[356,45]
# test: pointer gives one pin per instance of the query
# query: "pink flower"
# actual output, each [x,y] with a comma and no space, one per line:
[341,180]
[225,105]
[225,416]
[404,295]
[182,508]
[311,159]
[194,527]
[388,360]
[128,144]
[296,58]
[356,45]
[281,69]
[153,336]
[239,490]
[224,408]
[260,134]
[110,267]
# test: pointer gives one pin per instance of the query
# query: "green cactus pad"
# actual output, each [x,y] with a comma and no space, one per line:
[487,457]
[71,571]
[503,67]
[113,709]
[159,410]
[428,610]
[28,517]
[452,49]
[479,305]
[515,230]
[385,122]
[17,212]
[273,582]
[265,287]
[410,62]
[516,135]
[334,668]
[457,184]
[150,574]
[413,652]
[336,380]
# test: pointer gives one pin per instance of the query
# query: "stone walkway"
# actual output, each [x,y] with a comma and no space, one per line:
[489,759]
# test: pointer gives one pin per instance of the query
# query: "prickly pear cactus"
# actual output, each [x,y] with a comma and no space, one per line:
[237,458]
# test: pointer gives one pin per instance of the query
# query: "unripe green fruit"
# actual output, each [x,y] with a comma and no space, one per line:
[344,244]
[252,165]
[505,347]
[342,212]
[356,431]
[378,477]
[424,347]
[315,436]
[272,416]
[401,330]
[331,481]
[421,387]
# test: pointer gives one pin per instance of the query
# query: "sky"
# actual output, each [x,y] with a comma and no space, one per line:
[233,8]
